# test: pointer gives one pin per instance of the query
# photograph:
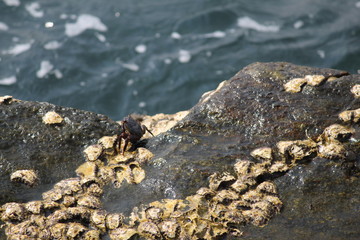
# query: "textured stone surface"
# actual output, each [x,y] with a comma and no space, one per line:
[54,151]
[250,111]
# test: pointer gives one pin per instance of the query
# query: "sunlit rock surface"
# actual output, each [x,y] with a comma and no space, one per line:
[251,160]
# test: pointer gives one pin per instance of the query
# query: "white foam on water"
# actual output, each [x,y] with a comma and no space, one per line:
[130,82]
[45,68]
[12,2]
[34,9]
[84,22]
[49,24]
[184,56]
[249,23]
[167,61]
[100,37]
[357,4]
[175,35]
[18,49]
[63,16]
[142,104]
[3,27]
[58,74]
[216,34]
[321,53]
[8,81]
[298,24]
[52,45]
[131,66]
[141,48]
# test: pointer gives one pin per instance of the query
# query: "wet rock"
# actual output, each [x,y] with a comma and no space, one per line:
[320,202]
[53,151]
[207,164]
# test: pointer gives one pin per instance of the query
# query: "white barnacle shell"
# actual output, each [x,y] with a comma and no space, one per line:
[27,177]
[98,218]
[356,90]
[89,201]
[6,99]
[52,118]
[75,229]
[93,152]
[12,212]
[295,85]
[338,132]
[314,80]
[114,220]
[263,153]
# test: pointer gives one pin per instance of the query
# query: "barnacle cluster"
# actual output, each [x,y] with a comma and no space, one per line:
[72,209]
[296,84]
[227,202]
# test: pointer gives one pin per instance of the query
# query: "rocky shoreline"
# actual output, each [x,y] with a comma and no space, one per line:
[274,147]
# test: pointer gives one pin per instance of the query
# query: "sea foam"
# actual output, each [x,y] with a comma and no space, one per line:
[249,23]
[84,22]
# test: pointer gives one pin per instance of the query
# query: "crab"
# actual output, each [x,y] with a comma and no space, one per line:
[132,131]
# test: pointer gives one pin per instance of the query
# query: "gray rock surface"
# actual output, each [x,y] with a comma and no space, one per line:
[251,110]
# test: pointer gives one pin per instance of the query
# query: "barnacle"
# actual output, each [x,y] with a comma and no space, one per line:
[34,207]
[114,220]
[52,118]
[93,152]
[89,201]
[314,80]
[350,115]
[295,85]
[356,90]
[12,212]
[98,219]
[219,181]
[337,132]
[264,153]
[27,177]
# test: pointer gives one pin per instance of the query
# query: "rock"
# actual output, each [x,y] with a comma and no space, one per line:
[53,151]
[247,152]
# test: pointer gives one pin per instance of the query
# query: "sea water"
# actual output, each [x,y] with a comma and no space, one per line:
[117,57]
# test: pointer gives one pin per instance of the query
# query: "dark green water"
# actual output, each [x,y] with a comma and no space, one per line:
[124,56]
